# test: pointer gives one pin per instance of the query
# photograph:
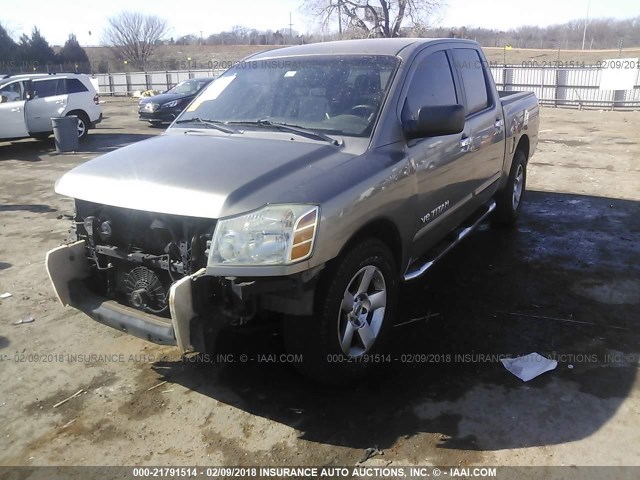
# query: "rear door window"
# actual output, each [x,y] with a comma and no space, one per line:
[73,85]
[45,88]
[468,62]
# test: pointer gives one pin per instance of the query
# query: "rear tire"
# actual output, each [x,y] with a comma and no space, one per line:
[83,124]
[356,299]
[42,137]
[509,200]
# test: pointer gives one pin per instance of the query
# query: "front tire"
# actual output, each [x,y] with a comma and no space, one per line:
[356,299]
[509,200]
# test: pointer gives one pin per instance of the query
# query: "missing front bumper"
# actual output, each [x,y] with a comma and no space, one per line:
[68,267]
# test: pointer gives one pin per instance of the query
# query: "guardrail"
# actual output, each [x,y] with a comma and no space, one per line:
[577,87]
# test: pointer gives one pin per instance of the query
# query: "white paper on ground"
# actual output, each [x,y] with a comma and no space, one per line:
[529,366]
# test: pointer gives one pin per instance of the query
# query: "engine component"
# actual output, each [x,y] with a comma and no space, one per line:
[145,291]
[105,230]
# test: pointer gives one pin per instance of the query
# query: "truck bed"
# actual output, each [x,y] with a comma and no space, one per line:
[507,97]
[521,113]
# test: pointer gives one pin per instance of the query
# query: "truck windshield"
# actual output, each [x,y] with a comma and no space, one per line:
[338,95]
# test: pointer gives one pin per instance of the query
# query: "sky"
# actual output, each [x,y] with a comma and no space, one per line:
[57,19]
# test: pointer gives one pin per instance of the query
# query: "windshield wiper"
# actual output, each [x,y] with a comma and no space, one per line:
[286,127]
[209,123]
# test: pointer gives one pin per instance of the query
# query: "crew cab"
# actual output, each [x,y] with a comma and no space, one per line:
[306,184]
[28,103]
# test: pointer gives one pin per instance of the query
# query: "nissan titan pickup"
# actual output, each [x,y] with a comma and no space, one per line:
[304,184]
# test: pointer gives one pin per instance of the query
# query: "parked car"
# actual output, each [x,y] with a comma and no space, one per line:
[29,102]
[310,181]
[165,107]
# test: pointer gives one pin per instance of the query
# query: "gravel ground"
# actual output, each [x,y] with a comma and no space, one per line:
[565,282]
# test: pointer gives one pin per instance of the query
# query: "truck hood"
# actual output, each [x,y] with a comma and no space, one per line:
[202,175]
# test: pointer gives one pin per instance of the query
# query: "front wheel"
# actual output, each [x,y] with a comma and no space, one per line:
[355,302]
[509,200]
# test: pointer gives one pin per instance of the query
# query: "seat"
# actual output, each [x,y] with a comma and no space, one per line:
[366,88]
[313,109]
[307,104]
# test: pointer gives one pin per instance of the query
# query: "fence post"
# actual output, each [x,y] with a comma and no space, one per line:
[555,90]
[543,77]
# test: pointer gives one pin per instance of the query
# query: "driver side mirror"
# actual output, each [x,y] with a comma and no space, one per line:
[435,121]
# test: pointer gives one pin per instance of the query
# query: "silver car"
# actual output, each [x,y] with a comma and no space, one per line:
[29,102]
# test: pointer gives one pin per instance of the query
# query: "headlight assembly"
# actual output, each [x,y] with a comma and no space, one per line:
[171,104]
[272,235]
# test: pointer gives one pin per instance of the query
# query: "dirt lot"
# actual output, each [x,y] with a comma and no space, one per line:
[566,282]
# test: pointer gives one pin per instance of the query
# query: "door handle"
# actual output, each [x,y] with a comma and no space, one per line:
[60,102]
[499,124]
[17,109]
[465,144]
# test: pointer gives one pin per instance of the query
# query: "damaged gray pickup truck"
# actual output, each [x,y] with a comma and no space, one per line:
[304,184]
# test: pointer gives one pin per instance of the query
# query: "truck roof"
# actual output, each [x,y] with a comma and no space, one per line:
[370,46]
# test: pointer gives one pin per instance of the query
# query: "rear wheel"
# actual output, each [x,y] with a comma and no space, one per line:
[83,124]
[41,136]
[509,200]
[355,301]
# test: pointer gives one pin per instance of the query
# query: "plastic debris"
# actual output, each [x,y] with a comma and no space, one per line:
[529,366]
[69,398]
[156,386]
[68,424]
[27,319]
[5,295]
[371,452]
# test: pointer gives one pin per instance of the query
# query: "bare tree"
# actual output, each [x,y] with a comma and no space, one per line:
[375,18]
[133,36]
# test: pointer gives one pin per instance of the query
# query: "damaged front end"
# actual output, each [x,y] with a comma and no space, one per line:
[144,273]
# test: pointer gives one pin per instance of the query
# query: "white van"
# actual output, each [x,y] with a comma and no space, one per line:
[29,102]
